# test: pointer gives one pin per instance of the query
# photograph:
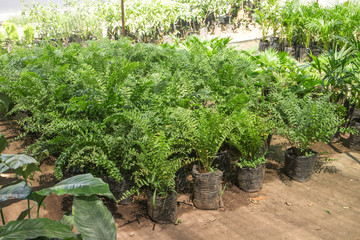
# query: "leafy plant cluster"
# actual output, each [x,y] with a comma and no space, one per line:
[145,20]
[112,108]
[306,121]
[309,24]
[90,216]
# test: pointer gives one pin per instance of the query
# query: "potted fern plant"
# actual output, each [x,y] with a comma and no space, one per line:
[304,121]
[248,137]
[211,130]
[157,162]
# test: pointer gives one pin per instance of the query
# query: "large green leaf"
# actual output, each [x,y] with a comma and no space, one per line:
[3,168]
[33,228]
[19,191]
[80,185]
[93,220]
[3,143]
[24,213]
[15,161]
[68,219]
[22,164]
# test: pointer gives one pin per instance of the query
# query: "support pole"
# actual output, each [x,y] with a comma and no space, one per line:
[123,18]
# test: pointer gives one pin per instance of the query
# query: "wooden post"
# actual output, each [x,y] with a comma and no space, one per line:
[123,18]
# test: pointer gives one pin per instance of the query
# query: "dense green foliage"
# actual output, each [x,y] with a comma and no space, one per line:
[306,121]
[248,138]
[305,23]
[144,19]
[112,108]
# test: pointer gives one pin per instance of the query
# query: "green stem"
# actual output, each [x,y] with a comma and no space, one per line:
[2,216]
[39,206]
[28,203]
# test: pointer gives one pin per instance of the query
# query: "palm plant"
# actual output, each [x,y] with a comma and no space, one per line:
[263,18]
[276,66]
[288,19]
[336,72]
[306,13]
[323,27]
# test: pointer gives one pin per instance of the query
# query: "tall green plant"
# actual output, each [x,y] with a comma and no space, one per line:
[335,69]
[288,18]
[156,163]
[212,128]
[11,31]
[307,120]
[248,137]
[263,18]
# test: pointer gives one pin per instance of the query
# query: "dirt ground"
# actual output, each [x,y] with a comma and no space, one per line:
[326,207]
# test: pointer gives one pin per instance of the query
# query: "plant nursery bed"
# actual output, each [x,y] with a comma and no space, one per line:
[326,207]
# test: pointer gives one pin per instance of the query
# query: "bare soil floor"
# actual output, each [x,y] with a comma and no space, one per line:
[326,207]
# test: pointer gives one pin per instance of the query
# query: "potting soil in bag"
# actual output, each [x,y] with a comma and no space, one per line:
[164,209]
[207,189]
[251,179]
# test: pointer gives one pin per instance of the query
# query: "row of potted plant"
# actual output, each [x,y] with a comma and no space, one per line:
[302,27]
[112,108]
[303,121]
[145,20]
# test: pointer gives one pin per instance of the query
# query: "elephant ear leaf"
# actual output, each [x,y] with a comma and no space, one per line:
[33,228]
[3,168]
[80,185]
[19,191]
[3,143]
[92,219]
[23,165]
[68,219]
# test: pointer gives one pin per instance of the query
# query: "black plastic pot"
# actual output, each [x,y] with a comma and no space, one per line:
[251,179]
[307,53]
[303,54]
[355,123]
[119,189]
[315,50]
[290,51]
[299,168]
[165,208]
[268,142]
[263,45]
[355,138]
[203,32]
[274,43]
[283,45]
[224,19]
[207,189]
